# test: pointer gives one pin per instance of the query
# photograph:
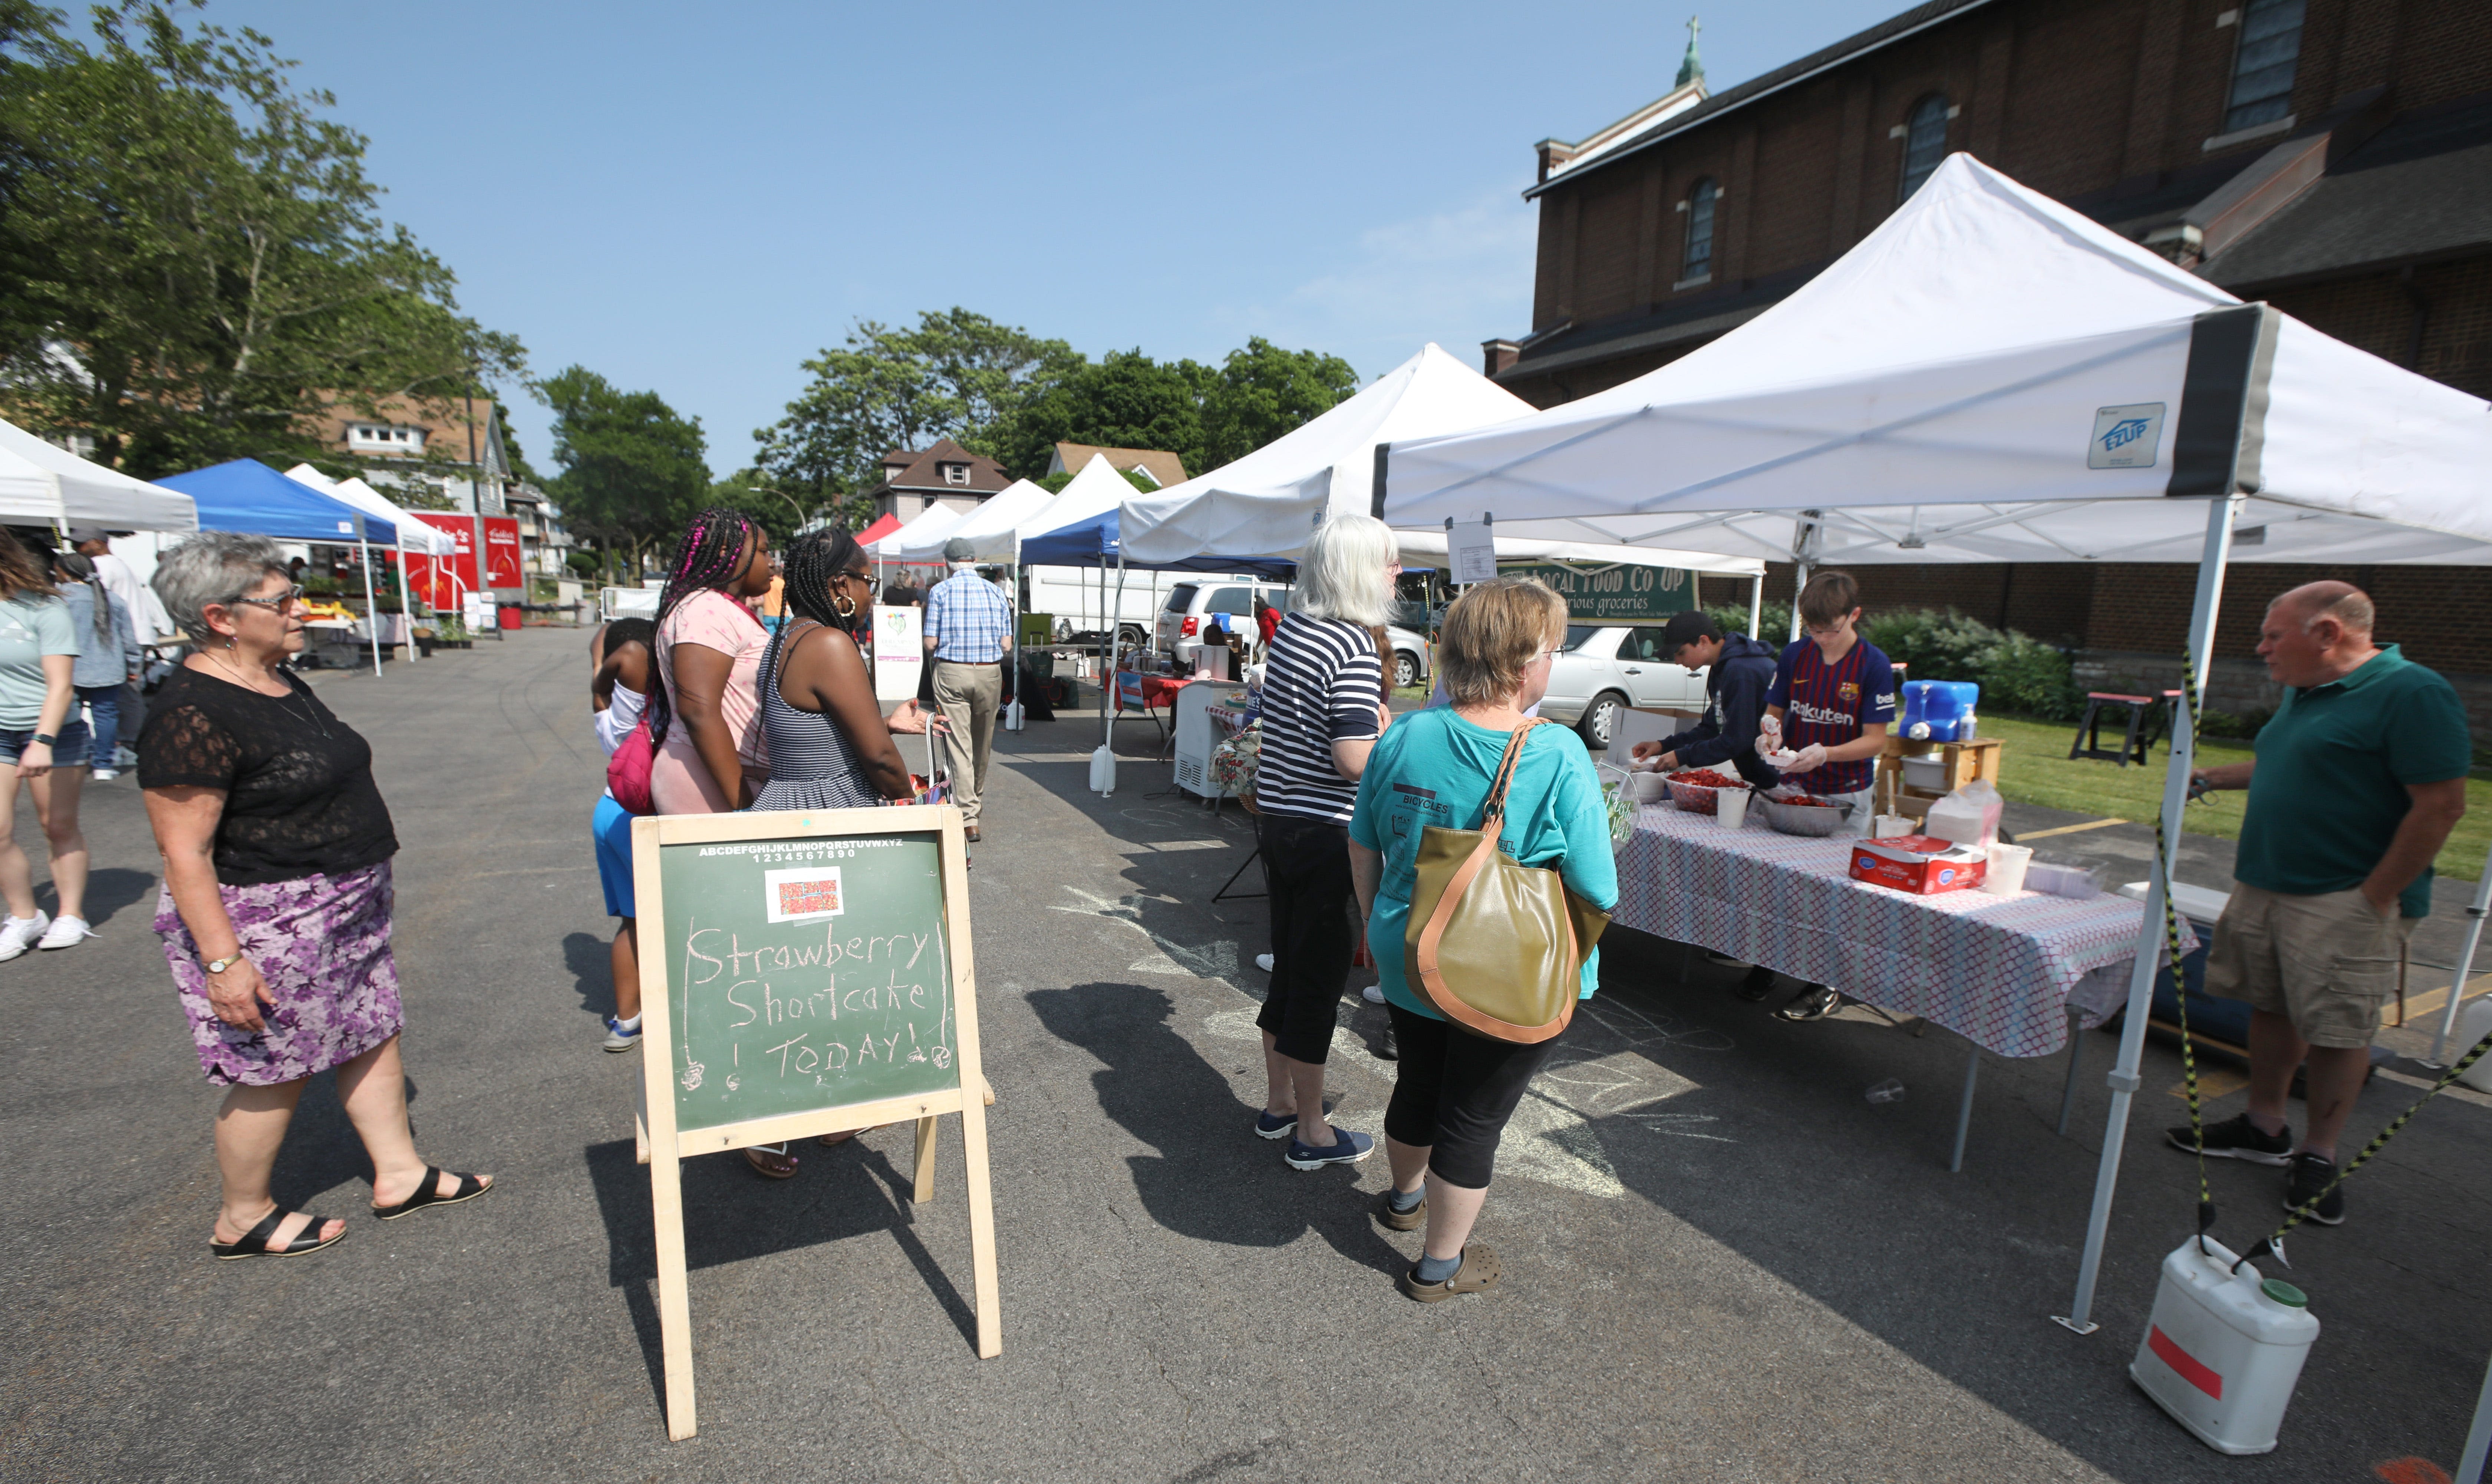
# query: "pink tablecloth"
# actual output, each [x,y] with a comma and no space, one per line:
[2001,971]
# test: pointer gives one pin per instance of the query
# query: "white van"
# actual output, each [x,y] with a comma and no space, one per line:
[1071,596]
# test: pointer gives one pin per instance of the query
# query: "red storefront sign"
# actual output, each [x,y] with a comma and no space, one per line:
[443,580]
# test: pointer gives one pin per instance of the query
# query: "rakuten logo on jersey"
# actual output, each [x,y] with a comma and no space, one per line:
[1823,716]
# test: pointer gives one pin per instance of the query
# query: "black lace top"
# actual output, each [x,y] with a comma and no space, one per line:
[298,781]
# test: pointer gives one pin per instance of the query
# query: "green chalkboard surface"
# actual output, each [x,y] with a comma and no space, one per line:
[806,973]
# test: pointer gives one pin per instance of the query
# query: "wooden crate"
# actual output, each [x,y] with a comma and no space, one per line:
[1963,763]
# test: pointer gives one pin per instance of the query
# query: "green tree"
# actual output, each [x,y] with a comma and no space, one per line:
[1126,401]
[955,375]
[633,468]
[197,265]
[1264,391]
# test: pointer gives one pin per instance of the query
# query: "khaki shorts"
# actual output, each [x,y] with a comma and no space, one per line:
[2327,963]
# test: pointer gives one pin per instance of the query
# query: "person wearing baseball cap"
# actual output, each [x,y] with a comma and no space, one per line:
[1738,671]
[968,636]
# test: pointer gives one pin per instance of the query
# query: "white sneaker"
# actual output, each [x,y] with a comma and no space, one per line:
[1263,961]
[1374,994]
[18,934]
[105,775]
[64,933]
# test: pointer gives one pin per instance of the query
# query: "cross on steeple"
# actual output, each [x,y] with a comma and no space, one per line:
[1691,68]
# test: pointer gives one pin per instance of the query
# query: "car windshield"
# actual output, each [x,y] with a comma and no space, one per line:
[1578,634]
[1180,598]
[1409,615]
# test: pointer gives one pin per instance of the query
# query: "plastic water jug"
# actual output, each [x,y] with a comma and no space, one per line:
[1939,710]
[1013,720]
[1103,771]
[2223,1350]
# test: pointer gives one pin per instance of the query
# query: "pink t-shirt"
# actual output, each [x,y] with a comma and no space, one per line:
[679,782]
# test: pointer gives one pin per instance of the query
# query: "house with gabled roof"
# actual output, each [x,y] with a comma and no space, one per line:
[1156,464]
[914,482]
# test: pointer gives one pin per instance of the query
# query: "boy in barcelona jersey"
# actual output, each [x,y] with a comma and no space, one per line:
[1832,699]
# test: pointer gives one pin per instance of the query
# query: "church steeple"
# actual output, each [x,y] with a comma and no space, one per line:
[1691,68]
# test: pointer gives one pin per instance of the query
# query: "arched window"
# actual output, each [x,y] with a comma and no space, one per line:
[1699,262]
[1924,142]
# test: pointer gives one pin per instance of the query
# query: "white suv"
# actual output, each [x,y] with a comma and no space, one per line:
[1603,669]
[1182,619]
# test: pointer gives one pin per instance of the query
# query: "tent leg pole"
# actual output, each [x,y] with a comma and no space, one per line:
[1964,1109]
[2479,1438]
[406,613]
[1798,582]
[2475,912]
[371,609]
[1756,605]
[2123,1079]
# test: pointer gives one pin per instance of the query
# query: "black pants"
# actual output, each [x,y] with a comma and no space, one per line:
[1306,864]
[1454,1093]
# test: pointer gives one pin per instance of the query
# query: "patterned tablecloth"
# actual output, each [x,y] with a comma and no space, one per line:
[2001,971]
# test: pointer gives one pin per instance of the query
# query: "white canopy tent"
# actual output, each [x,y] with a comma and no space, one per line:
[1990,377]
[928,524]
[413,535]
[41,484]
[993,526]
[1265,504]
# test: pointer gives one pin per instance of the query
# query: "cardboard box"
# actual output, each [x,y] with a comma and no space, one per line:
[1917,864]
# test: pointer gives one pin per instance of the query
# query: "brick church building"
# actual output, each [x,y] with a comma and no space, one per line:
[2330,157]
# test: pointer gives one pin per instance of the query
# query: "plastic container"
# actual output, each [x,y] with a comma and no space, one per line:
[1927,772]
[2079,883]
[2223,1348]
[1649,788]
[1939,710]
[1698,798]
[1731,807]
[2006,877]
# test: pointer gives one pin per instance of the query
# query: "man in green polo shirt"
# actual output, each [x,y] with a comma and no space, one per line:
[2357,779]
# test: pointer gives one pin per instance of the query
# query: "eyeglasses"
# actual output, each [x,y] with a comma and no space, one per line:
[293,594]
[872,583]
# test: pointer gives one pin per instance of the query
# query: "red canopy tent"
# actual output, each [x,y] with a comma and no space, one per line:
[879,529]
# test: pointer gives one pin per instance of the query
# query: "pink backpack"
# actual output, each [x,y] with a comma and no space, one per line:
[627,772]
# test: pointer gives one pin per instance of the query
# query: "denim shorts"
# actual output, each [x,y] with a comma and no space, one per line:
[69,752]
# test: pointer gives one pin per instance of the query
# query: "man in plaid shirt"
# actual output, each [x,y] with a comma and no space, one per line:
[968,639]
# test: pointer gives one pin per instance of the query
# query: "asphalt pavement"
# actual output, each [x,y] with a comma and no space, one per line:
[1721,1262]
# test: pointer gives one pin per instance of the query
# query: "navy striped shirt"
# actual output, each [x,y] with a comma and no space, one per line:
[1322,682]
[1830,704]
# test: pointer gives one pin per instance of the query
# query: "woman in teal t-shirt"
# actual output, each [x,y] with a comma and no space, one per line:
[1455,1091]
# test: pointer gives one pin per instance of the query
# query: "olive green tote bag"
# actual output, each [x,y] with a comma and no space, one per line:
[1496,947]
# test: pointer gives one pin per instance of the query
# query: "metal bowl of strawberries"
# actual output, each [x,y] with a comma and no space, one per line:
[1794,813]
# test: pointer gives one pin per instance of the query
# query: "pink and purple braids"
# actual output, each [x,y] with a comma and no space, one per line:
[708,557]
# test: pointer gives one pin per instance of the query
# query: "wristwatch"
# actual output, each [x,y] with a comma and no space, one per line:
[219,965]
[45,738]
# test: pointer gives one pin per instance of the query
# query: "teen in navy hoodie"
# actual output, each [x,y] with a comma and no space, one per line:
[1738,673]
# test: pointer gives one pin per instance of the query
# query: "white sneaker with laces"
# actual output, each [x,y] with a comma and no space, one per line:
[18,934]
[1263,962]
[105,775]
[64,933]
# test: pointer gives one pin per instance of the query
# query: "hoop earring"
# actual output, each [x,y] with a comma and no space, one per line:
[848,612]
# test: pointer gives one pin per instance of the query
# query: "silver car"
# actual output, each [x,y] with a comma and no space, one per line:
[1602,670]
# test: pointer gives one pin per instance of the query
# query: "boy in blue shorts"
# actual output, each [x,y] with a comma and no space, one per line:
[1832,699]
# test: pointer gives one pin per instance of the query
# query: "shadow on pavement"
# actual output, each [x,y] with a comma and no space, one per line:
[1212,1179]
[589,958]
[110,889]
[730,1214]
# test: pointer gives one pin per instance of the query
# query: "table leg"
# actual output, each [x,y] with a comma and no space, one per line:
[2076,1056]
[1964,1113]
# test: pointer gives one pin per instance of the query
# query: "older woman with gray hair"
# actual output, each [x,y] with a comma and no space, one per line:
[275,907]
[1323,708]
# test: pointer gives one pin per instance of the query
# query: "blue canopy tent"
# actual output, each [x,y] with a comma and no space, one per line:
[248,497]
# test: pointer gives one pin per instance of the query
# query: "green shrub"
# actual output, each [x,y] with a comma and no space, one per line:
[1773,625]
[2017,673]
[2243,725]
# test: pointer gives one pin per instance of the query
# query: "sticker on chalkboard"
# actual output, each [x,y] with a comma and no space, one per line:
[808,894]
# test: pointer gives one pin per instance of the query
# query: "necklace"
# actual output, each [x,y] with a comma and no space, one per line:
[308,713]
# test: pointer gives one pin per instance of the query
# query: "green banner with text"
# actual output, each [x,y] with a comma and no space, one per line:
[1623,594]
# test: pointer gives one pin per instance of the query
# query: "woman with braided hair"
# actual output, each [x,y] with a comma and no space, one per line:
[704,713]
[830,744]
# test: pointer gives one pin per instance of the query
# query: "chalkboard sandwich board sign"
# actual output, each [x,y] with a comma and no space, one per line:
[804,972]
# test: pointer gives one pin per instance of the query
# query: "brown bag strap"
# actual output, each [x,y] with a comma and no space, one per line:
[1494,807]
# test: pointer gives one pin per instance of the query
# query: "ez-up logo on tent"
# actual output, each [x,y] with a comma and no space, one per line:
[2125,437]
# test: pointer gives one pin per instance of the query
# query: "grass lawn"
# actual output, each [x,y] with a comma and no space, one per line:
[2034,768]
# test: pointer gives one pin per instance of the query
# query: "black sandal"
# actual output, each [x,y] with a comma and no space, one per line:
[254,1242]
[428,1193]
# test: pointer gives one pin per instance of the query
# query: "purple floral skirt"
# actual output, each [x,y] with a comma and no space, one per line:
[322,944]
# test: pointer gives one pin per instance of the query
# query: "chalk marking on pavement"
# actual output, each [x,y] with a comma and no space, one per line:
[1208,960]
[1141,847]
[2067,830]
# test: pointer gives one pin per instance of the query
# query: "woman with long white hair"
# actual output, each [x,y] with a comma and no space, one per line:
[1323,708]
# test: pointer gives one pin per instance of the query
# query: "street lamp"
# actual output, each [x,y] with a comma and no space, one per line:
[799,510]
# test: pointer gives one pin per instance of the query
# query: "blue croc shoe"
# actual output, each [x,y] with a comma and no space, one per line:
[1347,1148]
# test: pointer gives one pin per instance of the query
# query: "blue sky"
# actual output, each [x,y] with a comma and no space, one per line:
[695,198]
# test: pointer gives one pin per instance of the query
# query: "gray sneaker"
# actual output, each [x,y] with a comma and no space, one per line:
[617,1039]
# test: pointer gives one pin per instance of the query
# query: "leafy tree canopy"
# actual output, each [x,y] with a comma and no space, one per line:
[194,260]
[1264,392]
[1126,401]
[633,469]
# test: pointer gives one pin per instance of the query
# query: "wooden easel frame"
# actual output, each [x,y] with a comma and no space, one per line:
[663,1148]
